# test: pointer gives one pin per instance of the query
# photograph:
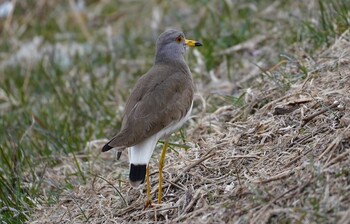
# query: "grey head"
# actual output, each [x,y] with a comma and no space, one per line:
[171,46]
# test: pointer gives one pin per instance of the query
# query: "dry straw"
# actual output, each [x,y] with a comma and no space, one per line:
[289,160]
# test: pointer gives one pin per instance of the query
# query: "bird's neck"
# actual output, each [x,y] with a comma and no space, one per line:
[171,57]
[175,65]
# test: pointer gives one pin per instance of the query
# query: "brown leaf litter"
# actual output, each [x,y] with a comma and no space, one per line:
[287,160]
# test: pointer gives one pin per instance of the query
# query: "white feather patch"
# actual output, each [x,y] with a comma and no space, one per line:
[141,153]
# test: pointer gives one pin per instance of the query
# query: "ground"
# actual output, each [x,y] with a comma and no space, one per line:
[289,161]
[269,136]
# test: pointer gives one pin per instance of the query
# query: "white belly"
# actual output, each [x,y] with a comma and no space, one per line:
[174,126]
[142,152]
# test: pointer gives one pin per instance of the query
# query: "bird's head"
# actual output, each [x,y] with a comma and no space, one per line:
[172,44]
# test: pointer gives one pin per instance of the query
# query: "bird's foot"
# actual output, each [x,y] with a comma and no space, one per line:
[148,203]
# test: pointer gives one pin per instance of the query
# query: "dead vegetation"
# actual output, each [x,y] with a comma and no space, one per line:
[286,160]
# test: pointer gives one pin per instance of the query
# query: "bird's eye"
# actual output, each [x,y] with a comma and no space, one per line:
[179,39]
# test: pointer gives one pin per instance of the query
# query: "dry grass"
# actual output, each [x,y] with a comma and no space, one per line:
[280,162]
[267,140]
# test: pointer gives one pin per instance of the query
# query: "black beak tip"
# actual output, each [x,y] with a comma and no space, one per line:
[198,44]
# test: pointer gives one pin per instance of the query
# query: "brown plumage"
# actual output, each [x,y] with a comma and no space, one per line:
[160,103]
[156,101]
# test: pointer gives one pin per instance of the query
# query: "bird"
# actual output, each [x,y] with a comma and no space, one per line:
[159,104]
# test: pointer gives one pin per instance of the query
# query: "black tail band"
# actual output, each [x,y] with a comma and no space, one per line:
[137,173]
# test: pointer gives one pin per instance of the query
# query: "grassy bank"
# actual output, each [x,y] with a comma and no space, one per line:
[66,70]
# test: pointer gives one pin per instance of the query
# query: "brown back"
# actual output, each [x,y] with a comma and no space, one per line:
[162,96]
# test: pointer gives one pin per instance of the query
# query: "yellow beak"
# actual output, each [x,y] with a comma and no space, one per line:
[192,43]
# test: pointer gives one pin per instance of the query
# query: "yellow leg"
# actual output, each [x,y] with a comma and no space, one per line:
[161,165]
[148,189]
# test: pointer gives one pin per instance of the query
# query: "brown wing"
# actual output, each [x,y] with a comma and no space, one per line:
[154,105]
